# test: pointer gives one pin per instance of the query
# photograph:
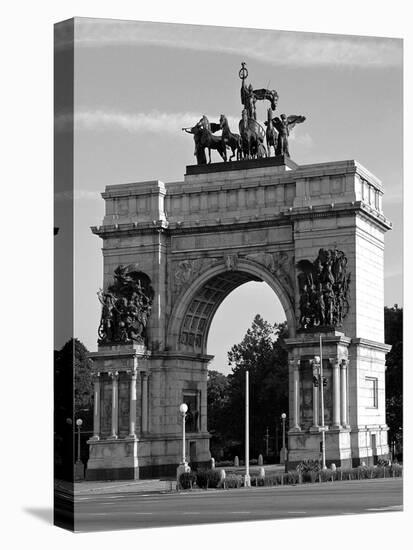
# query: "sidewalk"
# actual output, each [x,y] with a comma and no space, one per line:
[129,486]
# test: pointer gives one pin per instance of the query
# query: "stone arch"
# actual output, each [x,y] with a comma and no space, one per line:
[192,315]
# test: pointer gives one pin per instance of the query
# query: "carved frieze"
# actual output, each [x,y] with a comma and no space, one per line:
[185,271]
[281,265]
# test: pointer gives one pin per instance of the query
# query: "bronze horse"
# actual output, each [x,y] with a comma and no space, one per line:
[252,137]
[209,141]
[233,141]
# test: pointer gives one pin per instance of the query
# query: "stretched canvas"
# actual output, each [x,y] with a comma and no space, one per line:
[228,303]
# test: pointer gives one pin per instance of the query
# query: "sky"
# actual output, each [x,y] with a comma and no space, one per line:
[137,84]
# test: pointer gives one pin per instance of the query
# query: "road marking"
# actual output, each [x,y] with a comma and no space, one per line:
[240,512]
[384,508]
[191,513]
[296,512]
[143,513]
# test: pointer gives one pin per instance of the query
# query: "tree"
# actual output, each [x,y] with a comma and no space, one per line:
[263,354]
[393,335]
[217,402]
[73,391]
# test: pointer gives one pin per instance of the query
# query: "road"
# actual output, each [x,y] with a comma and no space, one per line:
[139,510]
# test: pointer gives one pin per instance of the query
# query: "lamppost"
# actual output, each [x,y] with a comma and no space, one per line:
[183,466]
[183,409]
[283,457]
[320,381]
[79,422]
[79,468]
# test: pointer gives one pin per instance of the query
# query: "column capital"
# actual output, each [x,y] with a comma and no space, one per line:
[96,376]
[295,363]
[143,374]
[334,362]
[113,374]
[344,363]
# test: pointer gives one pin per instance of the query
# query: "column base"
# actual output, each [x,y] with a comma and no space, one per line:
[112,437]
[315,429]
[94,438]
[294,429]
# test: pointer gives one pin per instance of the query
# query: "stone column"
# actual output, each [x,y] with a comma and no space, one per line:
[296,405]
[336,392]
[115,405]
[144,401]
[96,406]
[132,403]
[343,387]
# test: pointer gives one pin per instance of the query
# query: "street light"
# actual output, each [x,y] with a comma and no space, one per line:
[183,409]
[284,449]
[79,422]
[183,466]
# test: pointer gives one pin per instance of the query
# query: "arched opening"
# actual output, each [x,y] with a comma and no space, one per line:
[234,317]
[193,314]
[217,299]
[255,308]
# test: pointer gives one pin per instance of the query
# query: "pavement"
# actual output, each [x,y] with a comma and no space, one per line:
[131,509]
[153,485]
[132,486]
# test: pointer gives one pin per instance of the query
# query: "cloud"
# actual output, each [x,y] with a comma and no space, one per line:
[136,123]
[273,47]
[78,194]
[154,122]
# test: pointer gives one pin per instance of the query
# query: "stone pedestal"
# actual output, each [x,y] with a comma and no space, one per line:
[79,470]
[138,432]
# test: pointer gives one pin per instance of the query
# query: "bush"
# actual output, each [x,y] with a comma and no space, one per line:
[309,476]
[273,480]
[291,478]
[257,481]
[233,481]
[396,470]
[187,480]
[325,475]
[253,462]
[208,479]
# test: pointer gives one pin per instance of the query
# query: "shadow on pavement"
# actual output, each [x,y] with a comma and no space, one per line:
[44,514]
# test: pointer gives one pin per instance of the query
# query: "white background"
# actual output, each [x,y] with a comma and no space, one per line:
[27,274]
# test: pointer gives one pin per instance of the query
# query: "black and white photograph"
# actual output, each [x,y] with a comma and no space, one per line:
[218,345]
[237,321]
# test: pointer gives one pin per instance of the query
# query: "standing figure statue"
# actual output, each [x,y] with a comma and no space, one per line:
[329,300]
[106,326]
[199,151]
[271,133]
[284,125]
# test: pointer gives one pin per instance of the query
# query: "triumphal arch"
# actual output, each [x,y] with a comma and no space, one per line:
[172,253]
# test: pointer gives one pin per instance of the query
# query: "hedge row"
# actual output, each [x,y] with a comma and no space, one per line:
[209,479]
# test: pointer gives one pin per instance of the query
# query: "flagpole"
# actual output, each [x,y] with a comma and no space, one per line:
[247,480]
